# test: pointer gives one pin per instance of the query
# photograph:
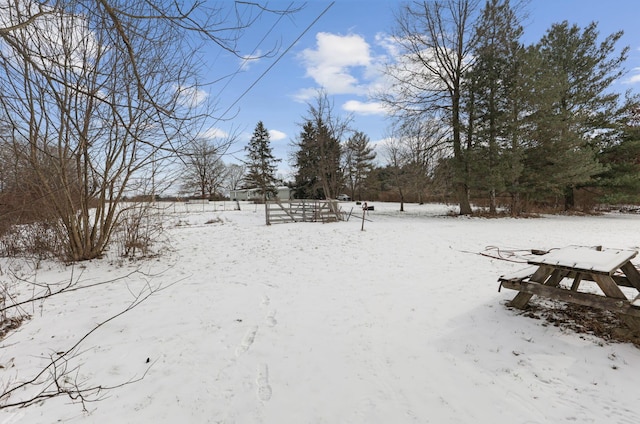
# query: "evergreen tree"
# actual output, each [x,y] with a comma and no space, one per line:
[317,162]
[306,158]
[261,164]
[330,152]
[318,154]
[570,102]
[359,157]
[621,180]
[495,102]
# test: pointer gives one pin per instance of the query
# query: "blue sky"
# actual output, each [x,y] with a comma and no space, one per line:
[342,53]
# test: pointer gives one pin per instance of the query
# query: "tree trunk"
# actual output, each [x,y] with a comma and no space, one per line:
[463,199]
[515,204]
[569,199]
[493,209]
[461,169]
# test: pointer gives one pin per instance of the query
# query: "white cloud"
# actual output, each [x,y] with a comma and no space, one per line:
[213,133]
[247,61]
[191,96]
[275,135]
[348,65]
[388,44]
[635,78]
[364,108]
[305,94]
[333,61]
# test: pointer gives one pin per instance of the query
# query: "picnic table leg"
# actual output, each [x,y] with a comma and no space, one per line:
[541,274]
[632,274]
[611,289]
[576,281]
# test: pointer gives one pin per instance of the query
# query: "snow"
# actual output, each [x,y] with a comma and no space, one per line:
[324,323]
[587,258]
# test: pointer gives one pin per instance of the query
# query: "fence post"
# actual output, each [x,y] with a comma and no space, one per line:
[364,212]
[266,211]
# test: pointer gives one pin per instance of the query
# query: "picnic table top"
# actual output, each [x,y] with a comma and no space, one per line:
[586,259]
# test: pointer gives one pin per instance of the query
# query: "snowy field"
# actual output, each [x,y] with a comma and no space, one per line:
[322,323]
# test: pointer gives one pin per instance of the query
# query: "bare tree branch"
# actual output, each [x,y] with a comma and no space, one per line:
[54,378]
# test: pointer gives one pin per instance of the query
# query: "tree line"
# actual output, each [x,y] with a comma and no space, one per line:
[533,124]
[104,112]
[478,116]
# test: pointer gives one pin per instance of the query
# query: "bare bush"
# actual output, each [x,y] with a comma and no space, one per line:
[141,228]
[11,314]
[39,240]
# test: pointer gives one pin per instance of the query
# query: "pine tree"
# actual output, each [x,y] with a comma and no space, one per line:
[261,164]
[306,158]
[495,102]
[317,159]
[620,182]
[359,157]
[570,103]
[317,162]
[330,151]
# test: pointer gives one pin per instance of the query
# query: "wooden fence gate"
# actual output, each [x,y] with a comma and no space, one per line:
[302,210]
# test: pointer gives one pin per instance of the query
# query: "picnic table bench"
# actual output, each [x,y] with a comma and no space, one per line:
[610,269]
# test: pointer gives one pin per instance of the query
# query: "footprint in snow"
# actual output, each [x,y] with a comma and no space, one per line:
[247,341]
[270,319]
[262,381]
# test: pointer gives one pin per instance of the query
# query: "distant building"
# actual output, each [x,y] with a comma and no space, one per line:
[284,193]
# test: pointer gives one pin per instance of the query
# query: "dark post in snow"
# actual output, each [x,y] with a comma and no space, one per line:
[364,212]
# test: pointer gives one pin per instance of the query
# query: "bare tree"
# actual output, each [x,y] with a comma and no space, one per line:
[235,176]
[204,172]
[436,39]
[396,156]
[424,143]
[100,92]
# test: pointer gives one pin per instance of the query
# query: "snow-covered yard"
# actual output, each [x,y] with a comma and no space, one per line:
[324,323]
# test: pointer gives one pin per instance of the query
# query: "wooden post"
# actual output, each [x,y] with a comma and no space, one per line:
[304,211]
[364,212]
[266,212]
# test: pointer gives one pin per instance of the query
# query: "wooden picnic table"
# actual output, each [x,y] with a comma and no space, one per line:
[610,269]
